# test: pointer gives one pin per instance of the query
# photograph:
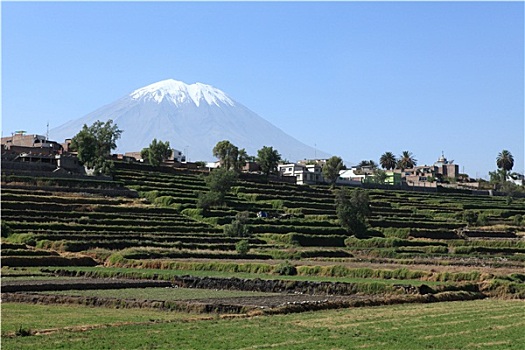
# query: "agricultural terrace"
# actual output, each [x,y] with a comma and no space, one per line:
[139,249]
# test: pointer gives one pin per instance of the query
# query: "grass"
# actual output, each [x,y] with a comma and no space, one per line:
[488,324]
[159,293]
[206,273]
[39,317]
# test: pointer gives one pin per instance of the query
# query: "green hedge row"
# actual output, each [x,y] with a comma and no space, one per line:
[414,224]
[177,254]
[268,228]
[375,242]
[66,182]
[86,227]
[63,200]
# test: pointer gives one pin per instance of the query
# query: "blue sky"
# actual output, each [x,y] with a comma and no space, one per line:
[354,79]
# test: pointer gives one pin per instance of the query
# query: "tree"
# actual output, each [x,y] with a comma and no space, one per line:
[240,161]
[505,161]
[331,169]
[367,163]
[219,182]
[497,177]
[157,152]
[238,227]
[379,177]
[94,145]
[406,160]
[230,156]
[242,247]
[388,161]
[268,159]
[227,154]
[352,210]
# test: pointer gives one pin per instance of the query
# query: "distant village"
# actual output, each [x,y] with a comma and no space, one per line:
[38,152]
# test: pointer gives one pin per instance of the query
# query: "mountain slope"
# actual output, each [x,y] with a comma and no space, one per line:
[191,117]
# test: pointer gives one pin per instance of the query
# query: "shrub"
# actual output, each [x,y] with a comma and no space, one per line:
[277,204]
[393,232]
[286,269]
[116,259]
[164,201]
[518,220]
[23,238]
[242,247]
[207,200]
[6,230]
[150,195]
[482,219]
[470,216]
[220,180]
[352,209]
[238,227]
[193,213]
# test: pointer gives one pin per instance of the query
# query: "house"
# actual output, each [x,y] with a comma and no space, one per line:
[517,179]
[251,167]
[176,156]
[304,174]
[31,142]
[445,168]
[352,175]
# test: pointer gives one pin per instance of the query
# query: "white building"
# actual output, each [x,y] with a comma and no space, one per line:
[351,177]
[304,174]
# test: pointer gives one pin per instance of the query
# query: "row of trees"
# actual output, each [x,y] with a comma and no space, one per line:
[233,158]
[95,143]
[389,161]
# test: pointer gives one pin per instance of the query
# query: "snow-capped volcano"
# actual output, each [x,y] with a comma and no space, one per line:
[192,118]
[179,93]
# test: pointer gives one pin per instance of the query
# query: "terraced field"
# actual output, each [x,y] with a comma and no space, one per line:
[145,225]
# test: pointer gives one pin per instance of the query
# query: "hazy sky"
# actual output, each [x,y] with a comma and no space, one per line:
[354,79]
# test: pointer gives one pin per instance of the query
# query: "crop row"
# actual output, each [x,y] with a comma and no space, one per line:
[124,234]
[267,228]
[127,209]
[95,236]
[291,192]
[140,254]
[157,180]
[28,226]
[82,245]
[90,219]
[415,224]
[51,190]
[87,223]
[66,182]
[73,215]
[36,198]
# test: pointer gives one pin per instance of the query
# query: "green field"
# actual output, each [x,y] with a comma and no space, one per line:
[487,324]
[110,272]
[160,293]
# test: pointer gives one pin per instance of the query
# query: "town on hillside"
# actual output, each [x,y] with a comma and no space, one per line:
[38,153]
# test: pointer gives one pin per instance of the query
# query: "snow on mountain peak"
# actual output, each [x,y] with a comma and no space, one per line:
[179,92]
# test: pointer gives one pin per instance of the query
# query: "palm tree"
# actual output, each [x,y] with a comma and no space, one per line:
[505,160]
[388,161]
[406,160]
